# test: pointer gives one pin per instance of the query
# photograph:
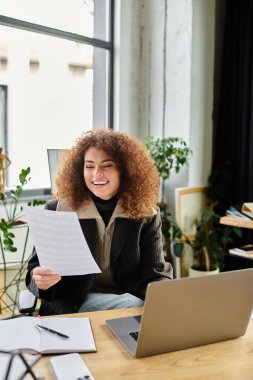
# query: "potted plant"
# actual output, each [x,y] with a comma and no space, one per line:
[168,154]
[10,256]
[13,211]
[210,243]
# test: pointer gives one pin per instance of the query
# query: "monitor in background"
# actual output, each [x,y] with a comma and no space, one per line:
[55,159]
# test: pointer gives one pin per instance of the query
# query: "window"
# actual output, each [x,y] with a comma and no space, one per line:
[3,117]
[56,61]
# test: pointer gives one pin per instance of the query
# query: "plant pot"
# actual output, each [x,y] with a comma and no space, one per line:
[198,273]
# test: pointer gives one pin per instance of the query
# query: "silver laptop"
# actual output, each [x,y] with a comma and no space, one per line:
[188,312]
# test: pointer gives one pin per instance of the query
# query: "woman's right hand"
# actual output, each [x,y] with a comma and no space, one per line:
[44,278]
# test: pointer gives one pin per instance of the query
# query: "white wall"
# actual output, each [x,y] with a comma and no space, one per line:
[164,77]
[202,91]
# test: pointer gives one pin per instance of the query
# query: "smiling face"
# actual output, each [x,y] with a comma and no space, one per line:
[101,175]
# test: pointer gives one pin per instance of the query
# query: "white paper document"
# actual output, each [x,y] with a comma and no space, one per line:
[59,242]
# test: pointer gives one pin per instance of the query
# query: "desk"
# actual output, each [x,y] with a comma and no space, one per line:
[229,360]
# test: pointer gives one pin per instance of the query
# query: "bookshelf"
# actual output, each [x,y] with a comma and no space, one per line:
[236,222]
[235,262]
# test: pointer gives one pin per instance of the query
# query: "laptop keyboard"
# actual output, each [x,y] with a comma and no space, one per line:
[138,318]
[134,335]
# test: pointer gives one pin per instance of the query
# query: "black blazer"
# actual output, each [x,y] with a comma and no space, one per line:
[136,259]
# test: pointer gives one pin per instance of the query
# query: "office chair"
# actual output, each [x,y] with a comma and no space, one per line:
[27,302]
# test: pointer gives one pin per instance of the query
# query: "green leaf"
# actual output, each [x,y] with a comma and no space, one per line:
[4,223]
[237,231]
[168,154]
[6,241]
[37,202]
[178,249]
[166,246]
[13,249]
[13,210]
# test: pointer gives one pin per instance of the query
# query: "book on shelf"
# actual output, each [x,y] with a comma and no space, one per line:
[244,251]
[247,209]
[24,333]
[239,216]
[234,211]
[236,221]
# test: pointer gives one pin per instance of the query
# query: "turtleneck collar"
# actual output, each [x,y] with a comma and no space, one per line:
[111,201]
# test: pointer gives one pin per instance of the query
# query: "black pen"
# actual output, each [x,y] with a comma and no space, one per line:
[53,331]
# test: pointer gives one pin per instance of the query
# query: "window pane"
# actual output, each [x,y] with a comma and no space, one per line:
[3,117]
[75,16]
[50,97]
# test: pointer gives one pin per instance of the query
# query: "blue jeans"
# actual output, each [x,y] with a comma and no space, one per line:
[103,301]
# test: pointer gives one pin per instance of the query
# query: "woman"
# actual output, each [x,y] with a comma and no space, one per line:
[109,180]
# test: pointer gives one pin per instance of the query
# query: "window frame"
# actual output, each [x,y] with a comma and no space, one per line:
[96,43]
[4,121]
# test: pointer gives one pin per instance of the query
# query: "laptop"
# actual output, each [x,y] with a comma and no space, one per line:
[188,312]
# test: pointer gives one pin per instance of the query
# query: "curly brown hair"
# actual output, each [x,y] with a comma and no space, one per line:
[139,179]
